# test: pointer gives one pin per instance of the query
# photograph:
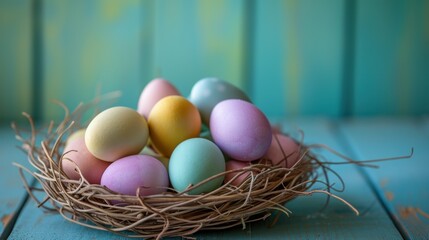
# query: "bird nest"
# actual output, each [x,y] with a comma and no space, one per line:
[265,190]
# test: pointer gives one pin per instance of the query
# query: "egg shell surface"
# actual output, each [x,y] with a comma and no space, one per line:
[240,130]
[283,151]
[173,120]
[115,133]
[75,135]
[91,167]
[236,165]
[127,174]
[208,92]
[154,91]
[193,161]
[151,152]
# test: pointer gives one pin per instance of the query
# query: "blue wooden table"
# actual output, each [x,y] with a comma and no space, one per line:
[392,200]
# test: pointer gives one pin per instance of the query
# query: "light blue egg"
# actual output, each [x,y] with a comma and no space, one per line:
[208,92]
[193,161]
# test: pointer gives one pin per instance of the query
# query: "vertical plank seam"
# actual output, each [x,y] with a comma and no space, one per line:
[349,35]
[248,43]
[37,59]
[337,128]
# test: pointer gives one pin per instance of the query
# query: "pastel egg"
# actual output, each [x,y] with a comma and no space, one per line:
[75,135]
[173,120]
[154,91]
[78,156]
[148,151]
[240,130]
[115,133]
[283,151]
[236,165]
[130,173]
[208,92]
[193,161]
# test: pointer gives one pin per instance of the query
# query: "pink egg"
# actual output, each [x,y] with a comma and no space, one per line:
[154,91]
[128,174]
[91,167]
[240,130]
[283,150]
[236,165]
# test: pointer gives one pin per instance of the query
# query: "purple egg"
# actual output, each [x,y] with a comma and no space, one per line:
[128,174]
[240,130]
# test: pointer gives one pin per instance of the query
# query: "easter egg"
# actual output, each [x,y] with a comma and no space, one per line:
[148,151]
[208,92]
[193,161]
[115,133]
[283,151]
[240,130]
[76,135]
[154,91]
[236,165]
[78,156]
[130,173]
[173,120]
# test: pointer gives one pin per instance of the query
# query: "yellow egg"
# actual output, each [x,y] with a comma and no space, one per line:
[172,120]
[115,133]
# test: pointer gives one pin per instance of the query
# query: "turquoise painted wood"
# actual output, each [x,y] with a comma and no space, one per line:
[337,221]
[197,39]
[402,185]
[297,57]
[11,188]
[392,53]
[94,47]
[15,59]
[288,54]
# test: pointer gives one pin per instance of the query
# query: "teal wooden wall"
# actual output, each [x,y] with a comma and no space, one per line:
[331,58]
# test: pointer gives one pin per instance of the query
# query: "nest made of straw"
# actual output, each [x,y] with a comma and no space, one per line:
[266,189]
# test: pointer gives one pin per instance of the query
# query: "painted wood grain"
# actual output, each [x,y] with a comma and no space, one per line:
[297,57]
[337,221]
[197,39]
[401,185]
[15,59]
[93,47]
[11,188]
[392,52]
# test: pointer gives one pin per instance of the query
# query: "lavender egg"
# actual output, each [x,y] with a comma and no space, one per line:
[240,130]
[128,174]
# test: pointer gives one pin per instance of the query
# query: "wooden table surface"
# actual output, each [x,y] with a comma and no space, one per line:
[393,200]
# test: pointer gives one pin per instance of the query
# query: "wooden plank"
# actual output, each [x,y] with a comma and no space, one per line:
[402,185]
[197,39]
[296,66]
[11,189]
[92,45]
[15,59]
[392,52]
[337,220]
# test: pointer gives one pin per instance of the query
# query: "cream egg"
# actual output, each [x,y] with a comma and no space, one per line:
[115,133]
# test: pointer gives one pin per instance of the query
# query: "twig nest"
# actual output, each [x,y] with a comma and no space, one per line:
[135,196]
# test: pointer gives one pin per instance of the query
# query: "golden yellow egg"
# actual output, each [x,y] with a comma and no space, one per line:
[171,121]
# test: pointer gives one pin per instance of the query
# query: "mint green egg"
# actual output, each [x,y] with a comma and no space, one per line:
[208,92]
[193,161]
